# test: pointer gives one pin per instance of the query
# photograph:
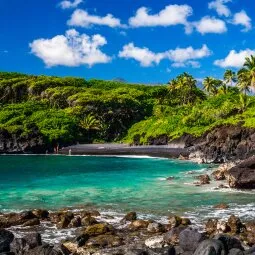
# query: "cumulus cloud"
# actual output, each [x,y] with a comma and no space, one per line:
[171,15]
[234,59]
[81,18]
[220,7]
[180,56]
[143,55]
[210,25]
[71,49]
[241,18]
[68,4]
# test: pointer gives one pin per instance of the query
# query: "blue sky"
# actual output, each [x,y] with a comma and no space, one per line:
[139,40]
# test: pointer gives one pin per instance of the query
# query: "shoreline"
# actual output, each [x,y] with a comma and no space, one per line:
[159,151]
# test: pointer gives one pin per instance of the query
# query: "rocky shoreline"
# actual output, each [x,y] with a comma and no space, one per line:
[130,236]
[87,231]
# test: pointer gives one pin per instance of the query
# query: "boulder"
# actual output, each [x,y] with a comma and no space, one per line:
[211,226]
[21,245]
[222,227]
[41,214]
[98,229]
[93,213]
[242,176]
[185,222]
[155,242]
[204,179]
[103,241]
[138,224]
[229,242]
[221,206]
[210,247]
[250,232]
[88,221]
[235,252]
[190,238]
[250,251]
[82,239]
[6,237]
[45,249]
[131,216]
[172,236]
[14,219]
[235,225]
[32,222]
[174,220]
[75,222]
[155,227]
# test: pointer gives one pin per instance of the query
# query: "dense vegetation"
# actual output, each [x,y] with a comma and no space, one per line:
[67,110]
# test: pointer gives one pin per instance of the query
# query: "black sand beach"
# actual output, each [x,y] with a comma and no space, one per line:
[124,149]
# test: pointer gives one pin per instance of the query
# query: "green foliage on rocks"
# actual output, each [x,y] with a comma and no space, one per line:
[68,110]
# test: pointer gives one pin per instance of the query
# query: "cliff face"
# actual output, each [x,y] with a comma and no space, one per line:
[225,143]
[13,143]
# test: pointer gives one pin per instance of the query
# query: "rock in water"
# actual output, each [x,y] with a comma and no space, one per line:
[131,216]
[242,176]
[6,237]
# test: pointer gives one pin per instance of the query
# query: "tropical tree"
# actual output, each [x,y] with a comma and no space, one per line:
[246,76]
[210,85]
[229,77]
[184,89]
[90,123]
[244,102]
[244,82]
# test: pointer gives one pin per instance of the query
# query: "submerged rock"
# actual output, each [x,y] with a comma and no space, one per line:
[221,206]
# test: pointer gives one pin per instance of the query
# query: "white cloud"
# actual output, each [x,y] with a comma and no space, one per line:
[180,56]
[71,49]
[210,25]
[241,18]
[234,58]
[81,18]
[171,15]
[220,7]
[143,55]
[68,4]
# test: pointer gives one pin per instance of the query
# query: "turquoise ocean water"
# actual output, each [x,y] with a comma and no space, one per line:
[118,184]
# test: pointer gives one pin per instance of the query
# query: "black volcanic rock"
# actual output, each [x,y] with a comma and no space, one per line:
[242,176]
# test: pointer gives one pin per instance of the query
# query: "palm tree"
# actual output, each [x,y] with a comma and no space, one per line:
[90,123]
[229,77]
[249,64]
[244,82]
[244,102]
[247,73]
[210,85]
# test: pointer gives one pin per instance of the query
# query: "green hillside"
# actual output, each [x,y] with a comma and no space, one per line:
[67,110]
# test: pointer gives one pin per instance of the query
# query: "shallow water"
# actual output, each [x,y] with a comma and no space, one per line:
[118,184]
